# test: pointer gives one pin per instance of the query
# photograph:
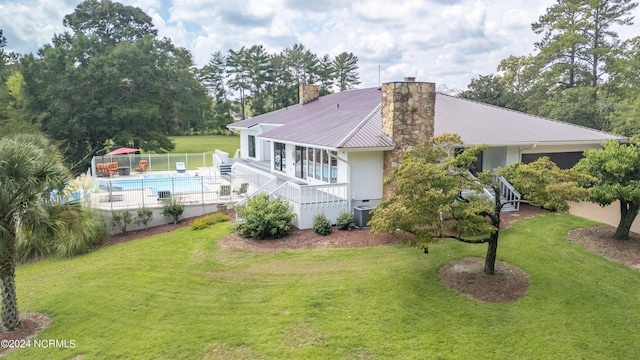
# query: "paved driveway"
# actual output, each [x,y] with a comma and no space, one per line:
[608,214]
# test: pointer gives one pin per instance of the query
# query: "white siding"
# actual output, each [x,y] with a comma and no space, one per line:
[513,155]
[559,148]
[366,175]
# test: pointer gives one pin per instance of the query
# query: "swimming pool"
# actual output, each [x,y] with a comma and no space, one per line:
[176,184]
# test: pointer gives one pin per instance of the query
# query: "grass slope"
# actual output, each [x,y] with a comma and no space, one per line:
[179,296]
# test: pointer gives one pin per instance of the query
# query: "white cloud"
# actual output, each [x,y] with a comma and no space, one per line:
[444,41]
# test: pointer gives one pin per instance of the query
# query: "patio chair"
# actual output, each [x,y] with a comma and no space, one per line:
[225,190]
[180,167]
[244,187]
[103,169]
[142,166]
[113,167]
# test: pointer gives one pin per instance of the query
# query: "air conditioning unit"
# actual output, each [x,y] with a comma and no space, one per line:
[362,215]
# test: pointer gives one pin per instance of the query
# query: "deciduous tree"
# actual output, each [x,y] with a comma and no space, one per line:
[617,169]
[431,183]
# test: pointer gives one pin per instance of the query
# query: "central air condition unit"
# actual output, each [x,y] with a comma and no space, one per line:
[362,215]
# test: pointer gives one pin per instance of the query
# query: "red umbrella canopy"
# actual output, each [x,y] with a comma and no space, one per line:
[123,150]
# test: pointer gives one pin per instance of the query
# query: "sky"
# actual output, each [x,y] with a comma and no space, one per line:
[447,42]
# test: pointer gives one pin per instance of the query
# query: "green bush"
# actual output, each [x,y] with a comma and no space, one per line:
[321,225]
[345,221]
[120,220]
[69,242]
[144,216]
[209,220]
[172,209]
[264,218]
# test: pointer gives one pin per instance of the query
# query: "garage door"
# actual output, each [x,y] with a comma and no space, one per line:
[564,160]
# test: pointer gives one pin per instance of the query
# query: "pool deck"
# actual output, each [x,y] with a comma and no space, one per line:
[121,198]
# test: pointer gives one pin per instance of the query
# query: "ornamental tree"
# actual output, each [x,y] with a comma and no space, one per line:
[433,182]
[617,169]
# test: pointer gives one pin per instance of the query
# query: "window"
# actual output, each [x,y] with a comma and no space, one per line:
[334,167]
[301,161]
[279,157]
[320,164]
[252,146]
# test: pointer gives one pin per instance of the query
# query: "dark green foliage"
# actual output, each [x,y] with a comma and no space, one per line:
[209,220]
[111,81]
[264,217]
[143,216]
[172,209]
[120,220]
[345,221]
[321,225]
[345,71]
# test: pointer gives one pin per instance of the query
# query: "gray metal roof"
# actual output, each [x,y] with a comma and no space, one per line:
[352,119]
[479,123]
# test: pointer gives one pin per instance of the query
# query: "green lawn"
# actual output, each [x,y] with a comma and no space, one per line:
[195,146]
[179,296]
[205,143]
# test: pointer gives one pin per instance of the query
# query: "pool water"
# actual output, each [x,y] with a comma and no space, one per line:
[177,184]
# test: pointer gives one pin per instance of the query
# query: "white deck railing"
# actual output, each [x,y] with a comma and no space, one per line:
[309,201]
[508,194]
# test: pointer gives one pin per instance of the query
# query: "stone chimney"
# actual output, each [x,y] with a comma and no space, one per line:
[408,110]
[308,93]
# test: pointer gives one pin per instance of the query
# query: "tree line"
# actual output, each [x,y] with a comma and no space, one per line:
[581,71]
[110,80]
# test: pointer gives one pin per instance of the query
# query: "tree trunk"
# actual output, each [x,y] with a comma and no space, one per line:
[628,213]
[10,315]
[492,251]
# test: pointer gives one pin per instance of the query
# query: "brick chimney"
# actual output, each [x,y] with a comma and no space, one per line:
[408,110]
[308,93]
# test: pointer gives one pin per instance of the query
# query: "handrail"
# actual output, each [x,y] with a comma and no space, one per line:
[261,189]
[509,193]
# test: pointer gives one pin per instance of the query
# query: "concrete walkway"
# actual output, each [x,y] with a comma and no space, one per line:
[609,214]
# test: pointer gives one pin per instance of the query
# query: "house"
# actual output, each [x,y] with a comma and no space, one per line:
[332,153]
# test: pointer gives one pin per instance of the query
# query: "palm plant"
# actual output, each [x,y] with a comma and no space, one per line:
[32,205]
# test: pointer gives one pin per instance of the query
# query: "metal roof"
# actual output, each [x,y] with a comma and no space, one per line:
[479,123]
[352,119]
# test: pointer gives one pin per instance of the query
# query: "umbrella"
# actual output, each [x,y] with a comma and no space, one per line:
[123,150]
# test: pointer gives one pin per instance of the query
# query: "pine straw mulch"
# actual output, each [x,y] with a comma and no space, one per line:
[509,282]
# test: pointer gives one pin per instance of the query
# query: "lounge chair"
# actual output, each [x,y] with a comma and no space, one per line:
[180,167]
[244,187]
[142,166]
[113,167]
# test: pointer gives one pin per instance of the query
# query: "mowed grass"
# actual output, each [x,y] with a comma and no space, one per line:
[180,296]
[205,143]
[195,146]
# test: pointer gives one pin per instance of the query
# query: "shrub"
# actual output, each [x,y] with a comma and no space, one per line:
[120,220]
[209,220]
[144,216]
[264,218]
[321,225]
[345,221]
[67,243]
[172,209]
[94,233]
